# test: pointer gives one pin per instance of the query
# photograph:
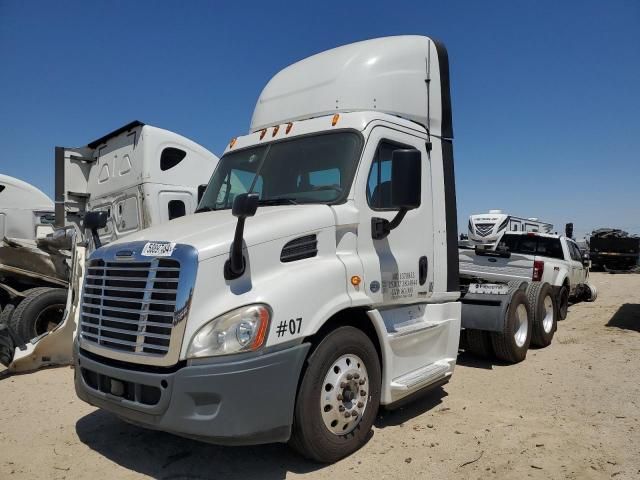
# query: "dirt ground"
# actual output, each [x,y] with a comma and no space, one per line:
[571,410]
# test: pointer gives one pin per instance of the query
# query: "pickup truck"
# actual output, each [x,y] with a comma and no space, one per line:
[535,257]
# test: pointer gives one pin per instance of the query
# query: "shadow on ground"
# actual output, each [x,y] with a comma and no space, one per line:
[468,359]
[168,457]
[626,318]
[411,407]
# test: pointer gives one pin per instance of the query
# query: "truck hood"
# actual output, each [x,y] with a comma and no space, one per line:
[211,233]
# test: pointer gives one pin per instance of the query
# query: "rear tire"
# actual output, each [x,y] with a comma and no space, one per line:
[5,316]
[326,389]
[544,313]
[479,343]
[563,302]
[41,310]
[7,348]
[590,293]
[512,343]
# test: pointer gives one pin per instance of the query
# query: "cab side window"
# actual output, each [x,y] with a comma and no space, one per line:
[379,181]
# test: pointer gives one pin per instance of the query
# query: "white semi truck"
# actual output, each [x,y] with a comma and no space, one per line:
[319,278]
[136,176]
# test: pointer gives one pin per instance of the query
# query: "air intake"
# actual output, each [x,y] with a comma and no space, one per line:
[300,248]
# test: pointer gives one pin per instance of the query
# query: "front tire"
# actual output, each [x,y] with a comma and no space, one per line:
[41,310]
[338,397]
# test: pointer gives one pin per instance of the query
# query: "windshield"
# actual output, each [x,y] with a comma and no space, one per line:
[310,169]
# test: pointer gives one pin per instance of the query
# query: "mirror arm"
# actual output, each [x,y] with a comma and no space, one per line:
[234,266]
[381,227]
[96,238]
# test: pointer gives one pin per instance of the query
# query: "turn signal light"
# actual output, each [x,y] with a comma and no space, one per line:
[355,280]
[263,132]
[335,119]
[538,270]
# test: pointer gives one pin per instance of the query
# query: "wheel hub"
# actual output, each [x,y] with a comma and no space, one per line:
[547,322]
[345,394]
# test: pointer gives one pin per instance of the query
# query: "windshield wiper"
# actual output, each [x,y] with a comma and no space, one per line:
[277,201]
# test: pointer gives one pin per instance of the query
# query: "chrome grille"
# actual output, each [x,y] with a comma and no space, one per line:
[484,229]
[130,306]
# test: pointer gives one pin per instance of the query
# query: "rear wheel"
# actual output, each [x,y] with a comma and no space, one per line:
[40,311]
[338,398]
[512,343]
[6,346]
[590,293]
[5,316]
[563,302]
[479,343]
[544,313]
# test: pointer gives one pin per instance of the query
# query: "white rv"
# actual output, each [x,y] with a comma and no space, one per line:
[25,211]
[486,228]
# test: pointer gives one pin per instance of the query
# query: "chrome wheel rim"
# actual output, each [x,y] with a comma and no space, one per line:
[344,395]
[522,325]
[547,322]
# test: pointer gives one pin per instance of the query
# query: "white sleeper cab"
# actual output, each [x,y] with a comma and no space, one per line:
[318,278]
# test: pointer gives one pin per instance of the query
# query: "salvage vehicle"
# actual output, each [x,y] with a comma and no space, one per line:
[486,228]
[538,257]
[136,176]
[614,250]
[318,278]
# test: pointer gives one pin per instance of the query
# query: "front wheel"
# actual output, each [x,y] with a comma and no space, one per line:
[338,398]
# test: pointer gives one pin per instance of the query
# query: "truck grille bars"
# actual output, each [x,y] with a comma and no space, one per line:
[130,307]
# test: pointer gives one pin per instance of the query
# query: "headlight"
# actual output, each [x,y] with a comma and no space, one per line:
[241,330]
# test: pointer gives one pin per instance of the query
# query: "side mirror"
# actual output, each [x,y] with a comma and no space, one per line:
[95,221]
[406,188]
[244,205]
[586,260]
[406,179]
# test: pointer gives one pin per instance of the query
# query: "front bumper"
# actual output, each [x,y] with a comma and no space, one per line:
[235,402]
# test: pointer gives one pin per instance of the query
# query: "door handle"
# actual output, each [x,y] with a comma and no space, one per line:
[423,270]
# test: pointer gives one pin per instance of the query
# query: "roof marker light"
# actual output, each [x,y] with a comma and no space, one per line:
[263,132]
[275,130]
[233,142]
[335,119]
[289,127]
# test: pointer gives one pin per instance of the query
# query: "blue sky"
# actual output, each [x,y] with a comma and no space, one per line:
[546,94]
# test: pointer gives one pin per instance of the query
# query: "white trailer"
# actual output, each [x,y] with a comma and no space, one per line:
[137,176]
[320,278]
[25,211]
[486,228]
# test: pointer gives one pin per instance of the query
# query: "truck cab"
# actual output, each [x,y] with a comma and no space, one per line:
[320,271]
